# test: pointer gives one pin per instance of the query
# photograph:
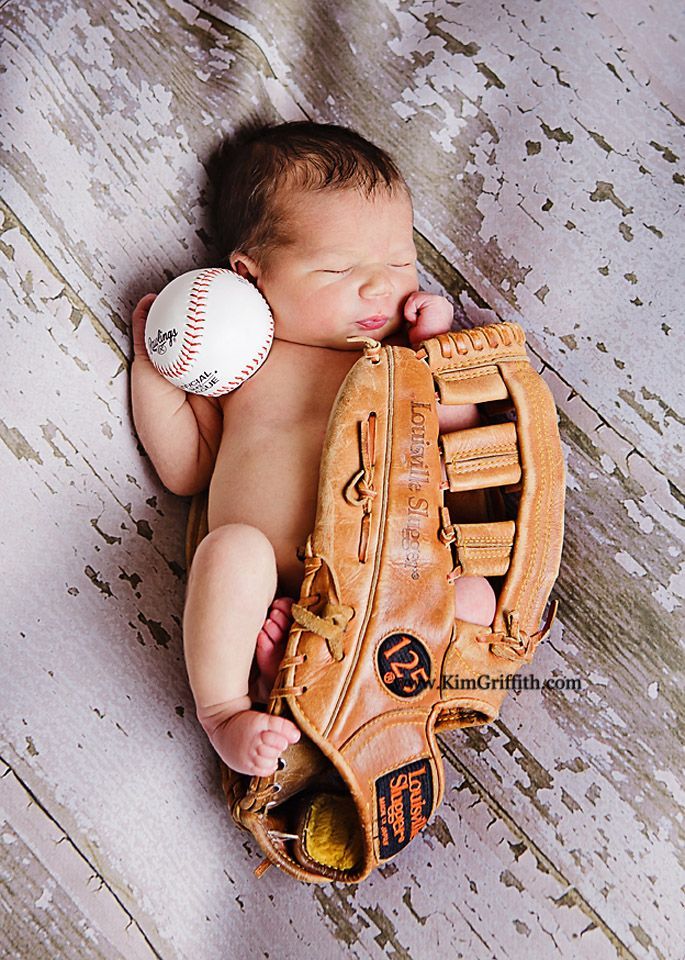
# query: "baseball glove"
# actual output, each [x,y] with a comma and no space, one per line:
[369,673]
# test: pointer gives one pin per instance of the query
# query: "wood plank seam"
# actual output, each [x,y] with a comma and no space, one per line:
[571,892]
[10,771]
[70,293]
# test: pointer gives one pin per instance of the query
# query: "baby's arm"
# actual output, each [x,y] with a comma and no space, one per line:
[428,315]
[180,432]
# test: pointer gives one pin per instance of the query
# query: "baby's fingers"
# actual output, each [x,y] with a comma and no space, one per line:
[283,603]
[280,618]
[138,320]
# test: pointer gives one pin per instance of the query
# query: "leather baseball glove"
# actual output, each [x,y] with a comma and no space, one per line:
[369,673]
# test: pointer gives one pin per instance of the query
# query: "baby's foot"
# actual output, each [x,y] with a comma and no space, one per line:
[251,742]
[271,642]
[474,600]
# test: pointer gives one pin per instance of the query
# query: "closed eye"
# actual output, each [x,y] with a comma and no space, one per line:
[411,264]
[346,270]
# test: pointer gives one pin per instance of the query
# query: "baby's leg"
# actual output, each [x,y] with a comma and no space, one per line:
[232,582]
[474,600]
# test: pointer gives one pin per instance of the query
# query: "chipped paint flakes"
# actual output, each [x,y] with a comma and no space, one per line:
[672,784]
[17,444]
[669,596]
[645,523]
[607,463]
[629,564]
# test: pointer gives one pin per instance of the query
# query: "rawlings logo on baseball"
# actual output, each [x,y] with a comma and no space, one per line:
[208,331]
[164,339]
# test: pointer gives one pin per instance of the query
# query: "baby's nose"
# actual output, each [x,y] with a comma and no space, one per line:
[377,283]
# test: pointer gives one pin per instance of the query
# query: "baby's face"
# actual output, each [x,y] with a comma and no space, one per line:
[347,270]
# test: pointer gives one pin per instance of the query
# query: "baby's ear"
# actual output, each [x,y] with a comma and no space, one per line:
[245,266]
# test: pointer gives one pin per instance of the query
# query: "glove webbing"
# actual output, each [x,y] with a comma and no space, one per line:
[489,365]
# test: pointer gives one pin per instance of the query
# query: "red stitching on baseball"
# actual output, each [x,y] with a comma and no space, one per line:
[195,321]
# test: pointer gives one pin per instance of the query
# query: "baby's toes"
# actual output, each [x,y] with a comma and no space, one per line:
[268,753]
[284,728]
[271,740]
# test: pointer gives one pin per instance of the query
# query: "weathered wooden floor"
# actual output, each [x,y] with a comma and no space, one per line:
[544,145]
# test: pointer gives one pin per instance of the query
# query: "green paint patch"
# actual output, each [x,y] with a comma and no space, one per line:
[17,444]
[492,80]
[600,141]
[105,536]
[438,828]
[144,529]
[131,578]
[509,880]
[102,585]
[451,43]
[561,136]
[668,410]
[668,155]
[157,631]
[605,191]
[629,397]
[655,231]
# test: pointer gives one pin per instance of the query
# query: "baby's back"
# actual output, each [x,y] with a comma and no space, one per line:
[267,468]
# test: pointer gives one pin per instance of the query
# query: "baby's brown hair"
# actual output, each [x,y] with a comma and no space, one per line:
[255,166]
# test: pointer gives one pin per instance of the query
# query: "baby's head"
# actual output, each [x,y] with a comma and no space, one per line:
[321,220]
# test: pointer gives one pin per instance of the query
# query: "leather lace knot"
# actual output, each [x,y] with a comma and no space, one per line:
[514,643]
[330,625]
[360,491]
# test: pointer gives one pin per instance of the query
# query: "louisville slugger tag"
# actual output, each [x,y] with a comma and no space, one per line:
[404,802]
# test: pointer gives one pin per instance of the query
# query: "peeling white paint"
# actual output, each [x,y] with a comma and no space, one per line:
[629,564]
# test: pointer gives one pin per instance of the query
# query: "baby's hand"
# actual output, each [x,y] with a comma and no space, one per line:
[138,320]
[427,315]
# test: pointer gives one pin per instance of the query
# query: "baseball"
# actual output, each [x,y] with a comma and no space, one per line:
[208,331]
